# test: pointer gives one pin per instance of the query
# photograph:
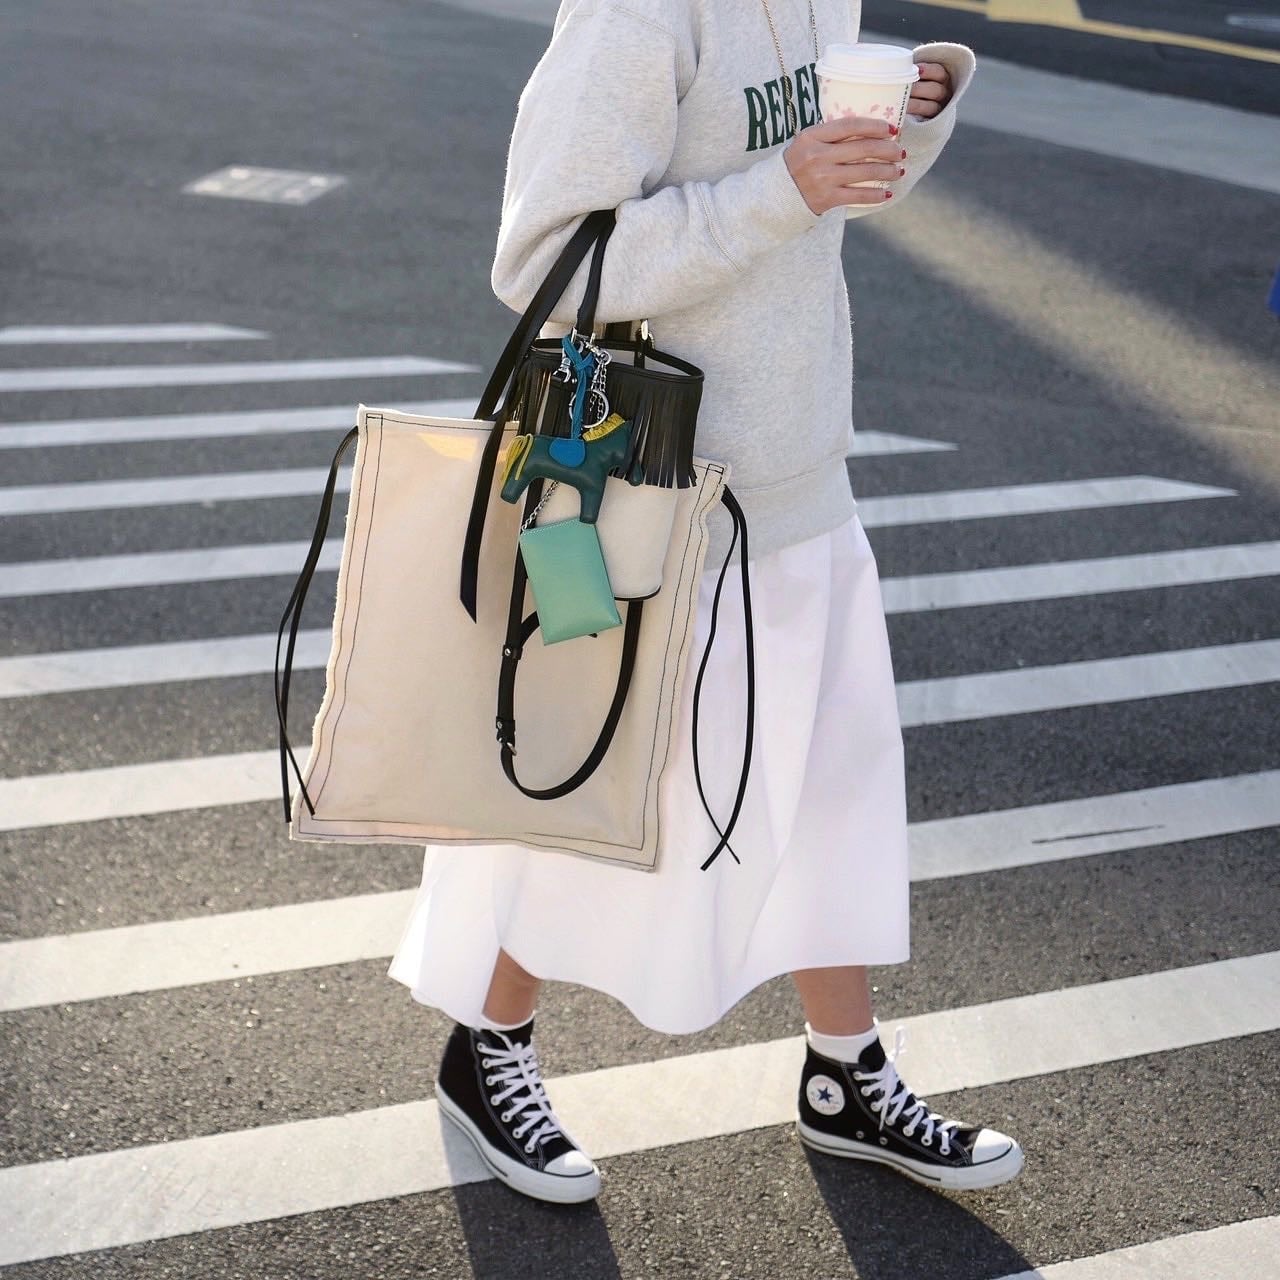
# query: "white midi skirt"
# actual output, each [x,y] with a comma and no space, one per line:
[823,877]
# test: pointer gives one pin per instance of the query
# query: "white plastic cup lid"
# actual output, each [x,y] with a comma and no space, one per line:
[868,64]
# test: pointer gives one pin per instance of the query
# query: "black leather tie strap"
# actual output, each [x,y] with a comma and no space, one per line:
[519,630]
[506,710]
[739,528]
[292,619]
[595,228]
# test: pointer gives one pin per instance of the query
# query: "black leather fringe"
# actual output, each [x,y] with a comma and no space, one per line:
[661,406]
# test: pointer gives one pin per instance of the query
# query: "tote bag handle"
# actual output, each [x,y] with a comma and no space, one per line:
[596,229]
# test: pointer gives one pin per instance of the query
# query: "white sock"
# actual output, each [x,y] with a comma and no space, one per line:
[842,1048]
[488,1024]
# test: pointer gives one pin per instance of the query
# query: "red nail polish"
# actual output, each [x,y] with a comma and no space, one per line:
[893,131]
[888,195]
[903,156]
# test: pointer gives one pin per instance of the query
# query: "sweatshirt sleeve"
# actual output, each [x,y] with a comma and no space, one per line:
[596,129]
[923,140]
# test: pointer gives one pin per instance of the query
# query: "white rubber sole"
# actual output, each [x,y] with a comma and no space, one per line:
[556,1188]
[991,1173]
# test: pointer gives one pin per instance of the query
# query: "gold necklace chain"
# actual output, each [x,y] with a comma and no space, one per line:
[792,121]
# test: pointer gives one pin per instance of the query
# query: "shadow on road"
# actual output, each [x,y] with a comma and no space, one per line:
[893,1227]
[516,1238]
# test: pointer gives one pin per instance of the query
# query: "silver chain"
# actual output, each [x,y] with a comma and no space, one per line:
[533,515]
[792,121]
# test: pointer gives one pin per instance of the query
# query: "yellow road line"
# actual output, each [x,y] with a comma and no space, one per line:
[1066,14]
[966,6]
[1062,12]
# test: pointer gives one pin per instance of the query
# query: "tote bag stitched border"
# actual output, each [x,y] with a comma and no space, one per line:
[671,683]
[360,526]
[366,443]
[530,826]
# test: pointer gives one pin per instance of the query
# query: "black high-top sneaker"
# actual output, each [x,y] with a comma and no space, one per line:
[863,1111]
[490,1087]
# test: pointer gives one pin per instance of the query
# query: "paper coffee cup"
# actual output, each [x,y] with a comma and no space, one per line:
[866,80]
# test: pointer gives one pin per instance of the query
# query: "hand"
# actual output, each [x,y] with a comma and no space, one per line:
[931,93]
[825,158]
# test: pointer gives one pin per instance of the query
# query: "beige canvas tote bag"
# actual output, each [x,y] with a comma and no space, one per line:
[403,748]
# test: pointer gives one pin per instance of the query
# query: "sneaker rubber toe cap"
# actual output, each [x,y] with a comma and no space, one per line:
[992,1145]
[573,1164]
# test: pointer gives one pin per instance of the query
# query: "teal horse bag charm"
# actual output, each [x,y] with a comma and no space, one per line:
[593,448]
[604,447]
[564,561]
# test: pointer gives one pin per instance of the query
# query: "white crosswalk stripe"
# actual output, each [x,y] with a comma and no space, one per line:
[874,444]
[1087,684]
[101,378]
[211,782]
[1055,580]
[84,669]
[159,568]
[115,495]
[981,842]
[91,795]
[1242,1251]
[147,1193]
[88,966]
[928,508]
[137,790]
[924,508]
[942,700]
[180,953]
[1064,579]
[67,432]
[1027,499]
[38,334]
[137,1194]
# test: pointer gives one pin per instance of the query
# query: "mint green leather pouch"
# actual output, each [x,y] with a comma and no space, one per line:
[569,581]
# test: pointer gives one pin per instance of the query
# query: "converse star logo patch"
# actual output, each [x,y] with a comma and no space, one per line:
[825,1096]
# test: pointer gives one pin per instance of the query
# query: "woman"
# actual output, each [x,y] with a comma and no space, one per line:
[697,121]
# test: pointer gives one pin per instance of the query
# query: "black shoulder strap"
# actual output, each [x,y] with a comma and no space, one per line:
[739,528]
[538,312]
[595,228]
[506,708]
[292,619]
[519,630]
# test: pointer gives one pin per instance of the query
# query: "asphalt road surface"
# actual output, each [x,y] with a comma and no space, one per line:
[1068,468]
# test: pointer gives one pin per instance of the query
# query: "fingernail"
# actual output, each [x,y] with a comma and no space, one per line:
[902,173]
[903,156]
[893,131]
[888,195]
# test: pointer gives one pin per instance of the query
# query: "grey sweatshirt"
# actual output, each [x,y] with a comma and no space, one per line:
[671,112]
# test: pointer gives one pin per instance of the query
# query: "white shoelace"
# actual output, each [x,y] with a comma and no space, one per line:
[519,1071]
[893,1098]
